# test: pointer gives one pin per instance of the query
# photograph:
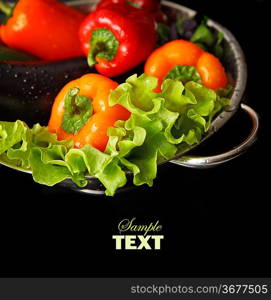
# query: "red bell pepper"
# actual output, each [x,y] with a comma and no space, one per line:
[151,6]
[117,38]
[48,29]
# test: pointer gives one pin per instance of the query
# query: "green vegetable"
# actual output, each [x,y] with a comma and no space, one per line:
[161,125]
[207,38]
[184,74]
[103,45]
[203,35]
[217,48]
[180,26]
[163,34]
[77,110]
[7,9]
[225,92]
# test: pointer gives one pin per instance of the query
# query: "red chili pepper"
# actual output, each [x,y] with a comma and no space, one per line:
[151,6]
[47,29]
[117,38]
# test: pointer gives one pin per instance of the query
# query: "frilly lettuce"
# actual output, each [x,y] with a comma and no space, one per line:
[184,73]
[160,125]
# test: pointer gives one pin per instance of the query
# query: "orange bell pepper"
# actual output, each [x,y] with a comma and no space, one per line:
[182,52]
[81,111]
[211,71]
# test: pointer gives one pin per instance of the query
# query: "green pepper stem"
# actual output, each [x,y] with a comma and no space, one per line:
[77,111]
[5,8]
[103,45]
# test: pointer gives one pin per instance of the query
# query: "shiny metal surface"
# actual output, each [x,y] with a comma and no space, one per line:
[211,161]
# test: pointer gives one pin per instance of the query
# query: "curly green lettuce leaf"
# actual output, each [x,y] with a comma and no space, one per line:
[184,74]
[38,136]
[160,125]
[225,92]
[137,95]
[112,177]
[34,149]
[203,35]
[48,165]
[205,98]
[145,156]
[12,134]
[181,116]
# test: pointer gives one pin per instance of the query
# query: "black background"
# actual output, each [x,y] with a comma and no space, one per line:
[216,222]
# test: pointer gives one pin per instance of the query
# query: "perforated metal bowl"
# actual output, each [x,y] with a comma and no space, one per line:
[235,65]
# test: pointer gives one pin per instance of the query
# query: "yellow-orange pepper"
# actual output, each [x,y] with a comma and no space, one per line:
[182,52]
[73,117]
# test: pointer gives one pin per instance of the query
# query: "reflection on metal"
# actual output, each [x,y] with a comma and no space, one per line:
[211,161]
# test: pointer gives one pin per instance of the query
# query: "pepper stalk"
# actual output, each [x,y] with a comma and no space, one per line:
[7,9]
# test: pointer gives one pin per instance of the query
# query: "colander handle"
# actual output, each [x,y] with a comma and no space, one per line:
[200,162]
